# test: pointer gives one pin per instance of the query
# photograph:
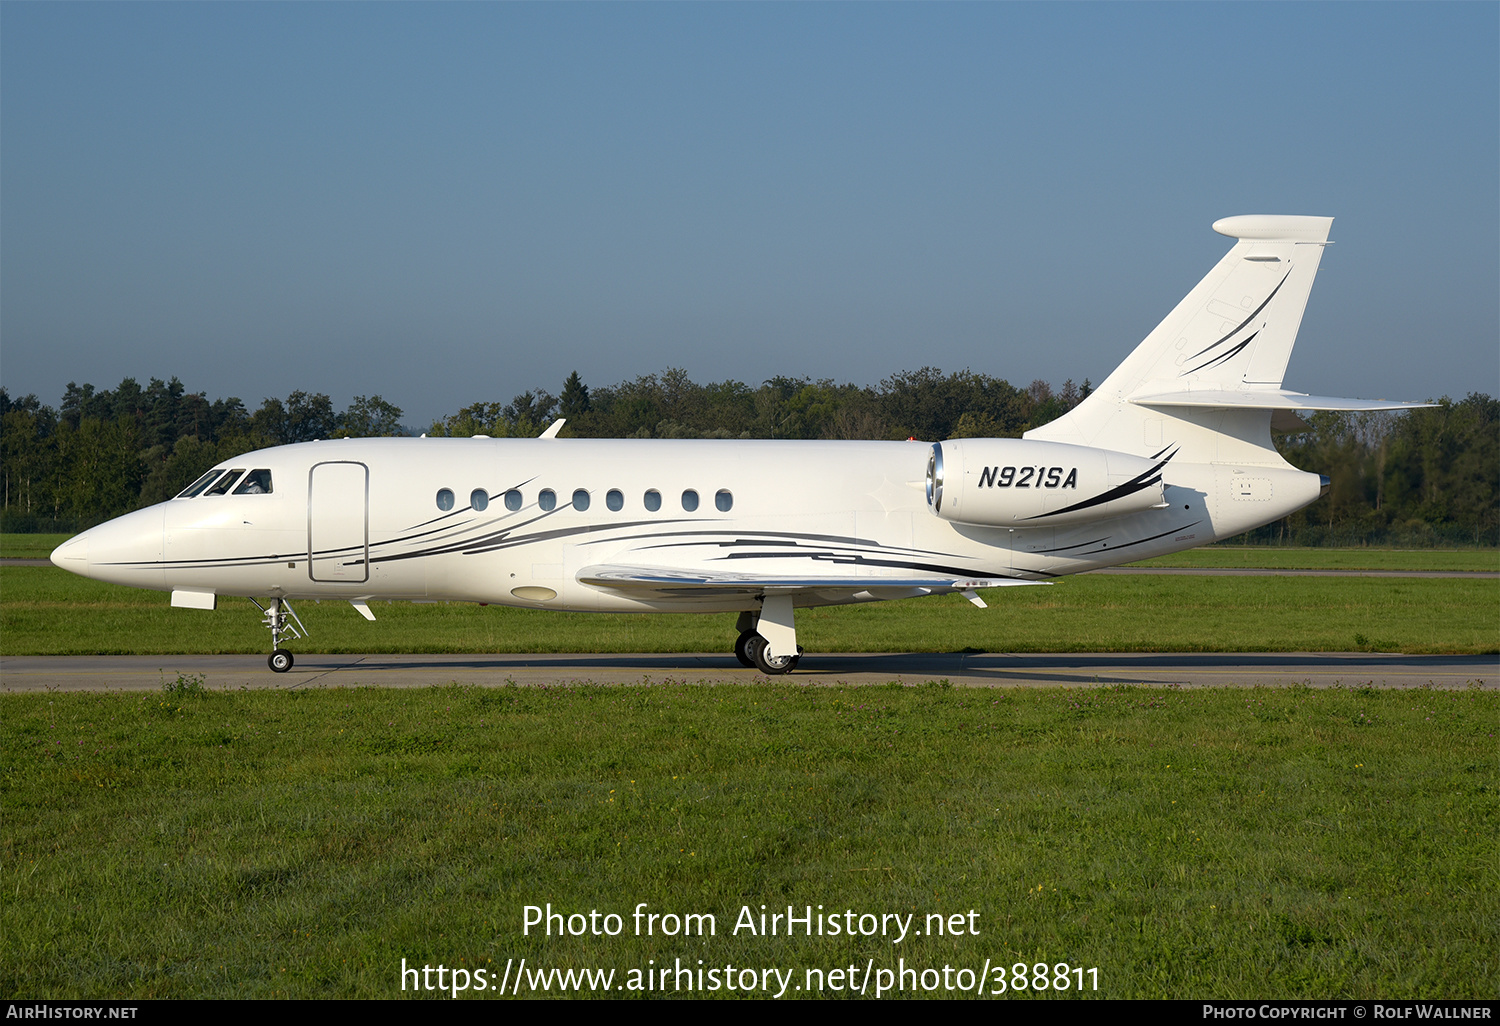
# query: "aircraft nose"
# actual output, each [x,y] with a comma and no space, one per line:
[126,550]
[72,554]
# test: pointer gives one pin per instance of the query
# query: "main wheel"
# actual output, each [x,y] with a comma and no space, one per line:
[280,661]
[768,664]
[742,648]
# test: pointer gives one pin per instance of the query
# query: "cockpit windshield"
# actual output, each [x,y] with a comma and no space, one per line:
[257,482]
[222,486]
[200,484]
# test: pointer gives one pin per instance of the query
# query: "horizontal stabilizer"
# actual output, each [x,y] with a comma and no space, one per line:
[1267,399]
[660,579]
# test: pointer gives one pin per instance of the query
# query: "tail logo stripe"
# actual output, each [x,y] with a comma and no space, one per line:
[1238,327]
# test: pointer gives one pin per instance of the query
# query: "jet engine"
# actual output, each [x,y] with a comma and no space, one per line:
[1012,482]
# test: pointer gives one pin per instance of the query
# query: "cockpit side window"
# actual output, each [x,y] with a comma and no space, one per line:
[257,482]
[225,483]
[200,484]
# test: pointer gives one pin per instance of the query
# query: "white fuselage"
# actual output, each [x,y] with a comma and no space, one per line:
[362,519]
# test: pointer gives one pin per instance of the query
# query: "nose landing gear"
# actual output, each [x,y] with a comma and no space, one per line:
[276,615]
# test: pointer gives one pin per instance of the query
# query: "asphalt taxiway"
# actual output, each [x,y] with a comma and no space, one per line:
[1235,669]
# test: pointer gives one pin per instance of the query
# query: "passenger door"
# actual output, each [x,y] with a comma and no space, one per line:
[338,522]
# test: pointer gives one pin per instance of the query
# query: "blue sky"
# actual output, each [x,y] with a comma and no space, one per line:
[443,203]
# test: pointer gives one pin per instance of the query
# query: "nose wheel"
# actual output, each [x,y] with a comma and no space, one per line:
[283,621]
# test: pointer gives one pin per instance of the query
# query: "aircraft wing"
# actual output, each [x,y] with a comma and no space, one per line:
[676,582]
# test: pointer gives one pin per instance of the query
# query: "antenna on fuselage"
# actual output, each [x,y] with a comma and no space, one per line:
[555,427]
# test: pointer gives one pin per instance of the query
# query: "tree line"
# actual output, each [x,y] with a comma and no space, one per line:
[1417,478]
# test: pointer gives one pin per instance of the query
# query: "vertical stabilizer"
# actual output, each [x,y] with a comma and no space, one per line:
[1233,333]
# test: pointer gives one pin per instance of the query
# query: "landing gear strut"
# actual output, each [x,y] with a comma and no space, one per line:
[276,615]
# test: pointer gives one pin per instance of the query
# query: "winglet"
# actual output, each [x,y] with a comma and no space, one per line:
[555,427]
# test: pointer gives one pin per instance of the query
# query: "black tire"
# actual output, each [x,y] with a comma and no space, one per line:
[765,664]
[280,661]
[742,649]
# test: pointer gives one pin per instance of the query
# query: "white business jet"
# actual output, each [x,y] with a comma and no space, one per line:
[1173,450]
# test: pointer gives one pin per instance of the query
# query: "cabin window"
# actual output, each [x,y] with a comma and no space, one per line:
[225,483]
[513,500]
[257,482]
[653,500]
[479,499]
[580,500]
[614,499]
[445,499]
[723,500]
[200,484]
[690,500]
[547,499]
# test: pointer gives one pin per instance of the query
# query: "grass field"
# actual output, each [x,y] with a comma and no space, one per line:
[46,611]
[1205,843]
[29,546]
[1290,558]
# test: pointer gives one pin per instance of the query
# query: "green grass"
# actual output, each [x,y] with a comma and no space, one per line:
[29,546]
[1266,843]
[1270,557]
[46,611]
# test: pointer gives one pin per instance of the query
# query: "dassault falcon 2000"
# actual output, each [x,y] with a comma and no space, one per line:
[1173,450]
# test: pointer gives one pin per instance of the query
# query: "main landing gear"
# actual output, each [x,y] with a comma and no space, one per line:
[742,645]
[276,615]
[752,649]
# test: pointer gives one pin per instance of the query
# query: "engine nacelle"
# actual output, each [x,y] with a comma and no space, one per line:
[1012,482]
